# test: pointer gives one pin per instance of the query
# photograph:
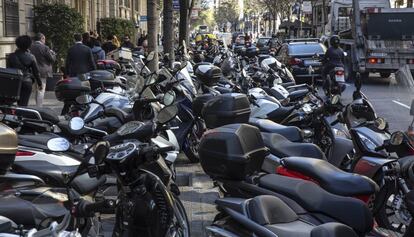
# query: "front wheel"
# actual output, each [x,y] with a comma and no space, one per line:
[392,213]
[180,222]
[193,141]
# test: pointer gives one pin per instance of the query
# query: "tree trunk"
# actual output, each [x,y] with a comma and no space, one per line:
[323,16]
[184,22]
[153,24]
[168,30]
[274,23]
[409,3]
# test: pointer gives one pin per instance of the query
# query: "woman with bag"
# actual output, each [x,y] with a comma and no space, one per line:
[22,59]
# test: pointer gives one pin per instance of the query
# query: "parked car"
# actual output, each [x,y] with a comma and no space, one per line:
[299,55]
[238,38]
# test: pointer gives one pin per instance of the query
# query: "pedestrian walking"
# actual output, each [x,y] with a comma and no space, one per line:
[97,52]
[127,43]
[141,39]
[45,58]
[25,61]
[109,46]
[79,59]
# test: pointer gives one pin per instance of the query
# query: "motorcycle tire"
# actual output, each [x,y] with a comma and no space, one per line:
[382,211]
[183,214]
[193,139]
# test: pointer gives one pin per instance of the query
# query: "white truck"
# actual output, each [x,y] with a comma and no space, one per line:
[376,37]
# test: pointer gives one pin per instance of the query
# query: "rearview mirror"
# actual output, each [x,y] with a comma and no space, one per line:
[169,98]
[76,123]
[100,152]
[397,138]
[151,56]
[166,114]
[84,99]
[380,123]
[412,108]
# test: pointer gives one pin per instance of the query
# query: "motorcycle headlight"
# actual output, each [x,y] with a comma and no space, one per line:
[367,142]
[307,108]
[338,132]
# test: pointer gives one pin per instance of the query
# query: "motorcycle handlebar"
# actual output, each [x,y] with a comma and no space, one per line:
[87,209]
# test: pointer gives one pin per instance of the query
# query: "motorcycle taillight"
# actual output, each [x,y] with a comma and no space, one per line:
[25,153]
[339,73]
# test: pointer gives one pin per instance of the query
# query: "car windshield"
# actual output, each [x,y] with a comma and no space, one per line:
[262,41]
[306,49]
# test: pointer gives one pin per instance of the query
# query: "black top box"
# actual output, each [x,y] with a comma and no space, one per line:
[11,82]
[101,78]
[226,109]
[232,151]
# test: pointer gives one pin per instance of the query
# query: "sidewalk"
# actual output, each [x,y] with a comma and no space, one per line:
[50,101]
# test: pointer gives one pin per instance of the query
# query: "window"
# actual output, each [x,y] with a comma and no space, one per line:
[306,49]
[11,18]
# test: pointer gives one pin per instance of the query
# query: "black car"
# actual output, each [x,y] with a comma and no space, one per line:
[298,56]
[263,45]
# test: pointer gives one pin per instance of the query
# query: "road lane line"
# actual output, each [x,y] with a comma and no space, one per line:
[399,103]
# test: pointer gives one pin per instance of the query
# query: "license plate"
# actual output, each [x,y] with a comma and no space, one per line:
[307,62]
[340,78]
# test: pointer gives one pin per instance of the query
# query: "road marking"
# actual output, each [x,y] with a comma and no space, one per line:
[403,105]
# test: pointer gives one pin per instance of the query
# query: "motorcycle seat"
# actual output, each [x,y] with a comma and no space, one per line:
[347,210]
[331,178]
[298,94]
[38,141]
[280,114]
[262,209]
[287,85]
[46,113]
[53,175]
[30,214]
[118,113]
[292,133]
[282,147]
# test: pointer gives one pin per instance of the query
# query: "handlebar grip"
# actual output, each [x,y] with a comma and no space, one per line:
[164,149]
[91,208]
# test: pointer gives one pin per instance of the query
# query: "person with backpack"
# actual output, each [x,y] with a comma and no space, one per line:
[25,61]
[97,52]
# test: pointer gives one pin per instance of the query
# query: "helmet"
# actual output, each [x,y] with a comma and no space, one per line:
[334,41]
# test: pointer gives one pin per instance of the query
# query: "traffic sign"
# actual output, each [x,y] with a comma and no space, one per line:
[176,5]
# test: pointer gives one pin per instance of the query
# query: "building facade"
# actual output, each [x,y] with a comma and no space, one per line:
[16,17]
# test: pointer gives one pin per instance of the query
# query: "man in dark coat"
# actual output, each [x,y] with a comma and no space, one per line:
[45,58]
[127,43]
[79,59]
